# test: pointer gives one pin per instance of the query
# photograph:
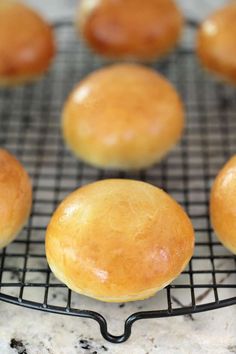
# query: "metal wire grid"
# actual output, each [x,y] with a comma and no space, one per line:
[30,128]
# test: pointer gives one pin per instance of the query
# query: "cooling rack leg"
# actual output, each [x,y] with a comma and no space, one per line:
[115,339]
[104,331]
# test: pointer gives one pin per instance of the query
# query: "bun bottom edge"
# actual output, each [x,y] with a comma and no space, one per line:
[146,294]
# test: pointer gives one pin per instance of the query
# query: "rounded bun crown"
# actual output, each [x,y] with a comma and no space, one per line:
[15,197]
[138,29]
[118,240]
[123,117]
[26,43]
[223,205]
[216,43]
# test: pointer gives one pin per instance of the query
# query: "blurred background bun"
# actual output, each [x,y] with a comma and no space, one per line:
[216,40]
[130,29]
[223,205]
[26,43]
[15,197]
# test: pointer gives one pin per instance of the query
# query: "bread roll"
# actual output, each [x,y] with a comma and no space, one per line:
[123,117]
[130,29]
[223,205]
[26,43]
[216,43]
[118,240]
[15,197]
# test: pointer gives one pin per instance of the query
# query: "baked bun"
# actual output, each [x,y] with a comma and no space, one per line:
[118,240]
[15,197]
[123,117]
[223,205]
[216,43]
[130,29]
[26,43]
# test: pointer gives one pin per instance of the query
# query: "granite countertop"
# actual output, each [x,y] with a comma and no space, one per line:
[24,331]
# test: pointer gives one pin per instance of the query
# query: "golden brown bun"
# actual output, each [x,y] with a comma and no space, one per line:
[15,197]
[137,29]
[223,205]
[216,43]
[118,240]
[124,116]
[26,43]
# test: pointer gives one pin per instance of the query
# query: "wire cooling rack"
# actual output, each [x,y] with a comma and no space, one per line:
[30,128]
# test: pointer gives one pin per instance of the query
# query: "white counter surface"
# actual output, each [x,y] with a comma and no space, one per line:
[32,332]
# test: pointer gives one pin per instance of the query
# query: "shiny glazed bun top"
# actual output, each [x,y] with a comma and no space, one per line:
[118,240]
[138,29]
[216,42]
[26,43]
[15,197]
[223,205]
[123,117]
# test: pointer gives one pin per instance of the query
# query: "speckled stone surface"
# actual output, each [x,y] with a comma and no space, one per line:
[24,331]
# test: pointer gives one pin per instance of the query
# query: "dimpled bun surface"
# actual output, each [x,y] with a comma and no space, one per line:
[125,29]
[118,240]
[216,43]
[123,117]
[223,205]
[15,197]
[26,43]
